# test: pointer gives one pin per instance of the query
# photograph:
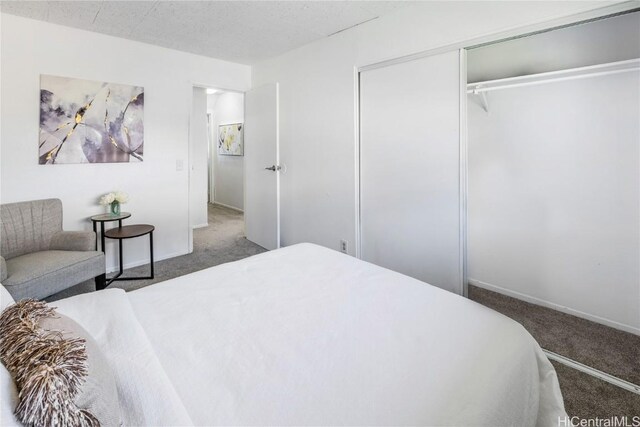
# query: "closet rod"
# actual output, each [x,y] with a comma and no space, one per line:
[555,76]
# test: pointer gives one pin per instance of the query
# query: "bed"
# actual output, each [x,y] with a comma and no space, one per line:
[305,335]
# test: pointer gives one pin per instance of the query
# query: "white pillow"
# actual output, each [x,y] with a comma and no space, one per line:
[8,390]
[8,398]
[5,298]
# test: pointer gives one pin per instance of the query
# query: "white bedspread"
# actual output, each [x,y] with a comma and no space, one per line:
[308,336]
[146,396]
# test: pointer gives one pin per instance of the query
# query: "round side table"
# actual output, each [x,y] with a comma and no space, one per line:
[129,232]
[102,218]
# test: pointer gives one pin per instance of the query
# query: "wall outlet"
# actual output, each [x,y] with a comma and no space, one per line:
[344,246]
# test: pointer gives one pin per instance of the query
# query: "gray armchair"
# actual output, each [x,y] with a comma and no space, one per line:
[38,258]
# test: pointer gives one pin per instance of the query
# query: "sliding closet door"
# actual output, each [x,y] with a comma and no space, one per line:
[409,165]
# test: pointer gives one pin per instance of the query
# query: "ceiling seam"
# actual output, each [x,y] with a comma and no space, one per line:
[353,26]
[97,13]
[154,4]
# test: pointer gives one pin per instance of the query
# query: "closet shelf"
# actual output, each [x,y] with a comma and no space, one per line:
[480,88]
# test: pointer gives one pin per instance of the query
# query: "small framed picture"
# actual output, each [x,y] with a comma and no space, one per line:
[230,140]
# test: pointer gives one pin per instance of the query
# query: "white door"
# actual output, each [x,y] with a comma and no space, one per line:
[410,169]
[261,168]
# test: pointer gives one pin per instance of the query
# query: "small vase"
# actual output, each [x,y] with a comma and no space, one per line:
[115,208]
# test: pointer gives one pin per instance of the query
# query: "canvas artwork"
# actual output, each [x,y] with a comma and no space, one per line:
[230,141]
[83,121]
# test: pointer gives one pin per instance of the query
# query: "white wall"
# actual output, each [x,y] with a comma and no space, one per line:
[158,192]
[199,153]
[317,101]
[227,108]
[554,196]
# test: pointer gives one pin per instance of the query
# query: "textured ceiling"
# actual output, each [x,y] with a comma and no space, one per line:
[238,31]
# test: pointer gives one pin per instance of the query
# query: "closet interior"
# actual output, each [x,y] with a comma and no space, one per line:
[553,205]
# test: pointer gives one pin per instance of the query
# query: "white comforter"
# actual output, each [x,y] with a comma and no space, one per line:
[146,395]
[308,336]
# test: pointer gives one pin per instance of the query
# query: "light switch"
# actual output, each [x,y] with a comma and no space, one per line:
[179,165]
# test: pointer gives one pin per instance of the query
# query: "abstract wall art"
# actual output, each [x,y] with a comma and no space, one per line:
[83,121]
[230,141]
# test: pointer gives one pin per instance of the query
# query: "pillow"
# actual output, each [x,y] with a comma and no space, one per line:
[8,390]
[8,399]
[5,298]
[61,375]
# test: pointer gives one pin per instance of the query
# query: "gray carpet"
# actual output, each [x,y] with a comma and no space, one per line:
[588,397]
[606,349]
[222,241]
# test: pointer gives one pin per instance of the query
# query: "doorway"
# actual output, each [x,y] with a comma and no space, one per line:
[233,168]
[225,121]
[216,173]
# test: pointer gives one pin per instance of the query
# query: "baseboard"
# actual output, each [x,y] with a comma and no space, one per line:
[206,224]
[228,206]
[554,306]
[114,268]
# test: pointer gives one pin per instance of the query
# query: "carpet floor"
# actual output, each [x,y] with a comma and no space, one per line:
[606,349]
[220,242]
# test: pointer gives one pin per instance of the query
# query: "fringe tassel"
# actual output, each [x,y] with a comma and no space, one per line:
[48,369]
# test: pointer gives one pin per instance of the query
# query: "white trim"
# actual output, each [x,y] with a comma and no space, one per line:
[555,76]
[206,224]
[356,135]
[212,142]
[138,263]
[244,169]
[278,171]
[463,165]
[546,24]
[216,87]
[189,180]
[618,382]
[554,306]
[228,206]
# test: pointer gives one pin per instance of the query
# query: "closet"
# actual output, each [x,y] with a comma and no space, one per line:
[554,170]
[512,166]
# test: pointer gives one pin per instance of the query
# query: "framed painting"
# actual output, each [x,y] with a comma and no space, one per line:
[230,140]
[84,121]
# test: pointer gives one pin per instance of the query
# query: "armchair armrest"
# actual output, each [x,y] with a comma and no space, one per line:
[73,241]
[3,269]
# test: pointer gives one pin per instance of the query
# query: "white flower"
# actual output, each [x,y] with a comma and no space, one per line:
[114,196]
[107,199]
[121,197]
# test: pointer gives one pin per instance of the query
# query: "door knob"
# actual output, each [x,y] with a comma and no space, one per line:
[273,168]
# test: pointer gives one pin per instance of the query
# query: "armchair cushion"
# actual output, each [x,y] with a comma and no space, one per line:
[73,241]
[40,274]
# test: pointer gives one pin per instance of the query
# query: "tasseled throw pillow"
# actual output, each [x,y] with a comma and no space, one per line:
[62,376]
